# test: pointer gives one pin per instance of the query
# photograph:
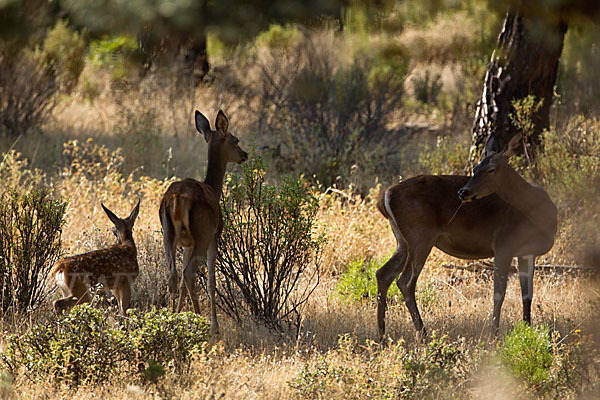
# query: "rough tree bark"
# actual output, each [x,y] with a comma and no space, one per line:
[525,62]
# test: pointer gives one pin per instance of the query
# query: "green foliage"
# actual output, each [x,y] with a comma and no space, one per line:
[166,338]
[116,54]
[525,109]
[358,282]
[30,229]
[88,346]
[269,252]
[279,37]
[436,370]
[569,166]
[63,51]
[445,157]
[527,352]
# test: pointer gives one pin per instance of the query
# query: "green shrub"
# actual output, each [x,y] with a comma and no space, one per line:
[166,338]
[80,347]
[279,37]
[88,345]
[527,352]
[30,229]
[63,52]
[269,253]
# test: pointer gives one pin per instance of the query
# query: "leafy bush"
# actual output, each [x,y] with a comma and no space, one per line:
[269,254]
[527,352]
[63,52]
[89,346]
[80,347]
[30,229]
[160,336]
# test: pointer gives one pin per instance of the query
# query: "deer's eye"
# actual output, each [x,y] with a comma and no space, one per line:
[491,170]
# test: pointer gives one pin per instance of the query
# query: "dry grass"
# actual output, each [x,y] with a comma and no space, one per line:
[252,362]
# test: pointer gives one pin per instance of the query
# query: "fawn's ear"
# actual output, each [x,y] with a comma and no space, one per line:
[134,213]
[222,123]
[114,219]
[514,145]
[202,125]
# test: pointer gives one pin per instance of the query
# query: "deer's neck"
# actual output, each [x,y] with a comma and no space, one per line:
[530,200]
[215,173]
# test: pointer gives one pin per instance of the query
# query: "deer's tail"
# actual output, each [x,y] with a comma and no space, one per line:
[179,212]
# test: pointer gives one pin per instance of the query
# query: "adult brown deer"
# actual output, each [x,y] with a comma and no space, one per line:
[493,213]
[190,215]
[114,267]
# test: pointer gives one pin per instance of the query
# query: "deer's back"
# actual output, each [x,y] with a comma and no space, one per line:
[100,265]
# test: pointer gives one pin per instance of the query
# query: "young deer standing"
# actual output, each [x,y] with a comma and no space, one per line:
[190,215]
[493,213]
[114,267]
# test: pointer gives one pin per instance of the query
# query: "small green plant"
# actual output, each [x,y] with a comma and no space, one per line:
[88,345]
[30,229]
[527,352]
[358,283]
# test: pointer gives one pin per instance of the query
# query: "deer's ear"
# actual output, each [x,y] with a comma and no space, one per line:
[202,125]
[222,123]
[113,218]
[514,145]
[134,213]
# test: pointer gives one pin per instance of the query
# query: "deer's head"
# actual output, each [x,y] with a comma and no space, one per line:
[123,228]
[221,143]
[488,174]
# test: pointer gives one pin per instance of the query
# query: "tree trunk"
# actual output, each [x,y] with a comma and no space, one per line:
[525,62]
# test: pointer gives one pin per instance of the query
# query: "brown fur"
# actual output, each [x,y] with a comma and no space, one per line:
[506,218]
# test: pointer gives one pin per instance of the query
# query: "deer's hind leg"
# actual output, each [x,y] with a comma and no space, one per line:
[407,283]
[123,294]
[79,294]
[192,259]
[385,276]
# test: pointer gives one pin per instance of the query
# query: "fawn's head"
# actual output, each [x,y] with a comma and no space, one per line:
[221,143]
[490,173]
[123,228]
